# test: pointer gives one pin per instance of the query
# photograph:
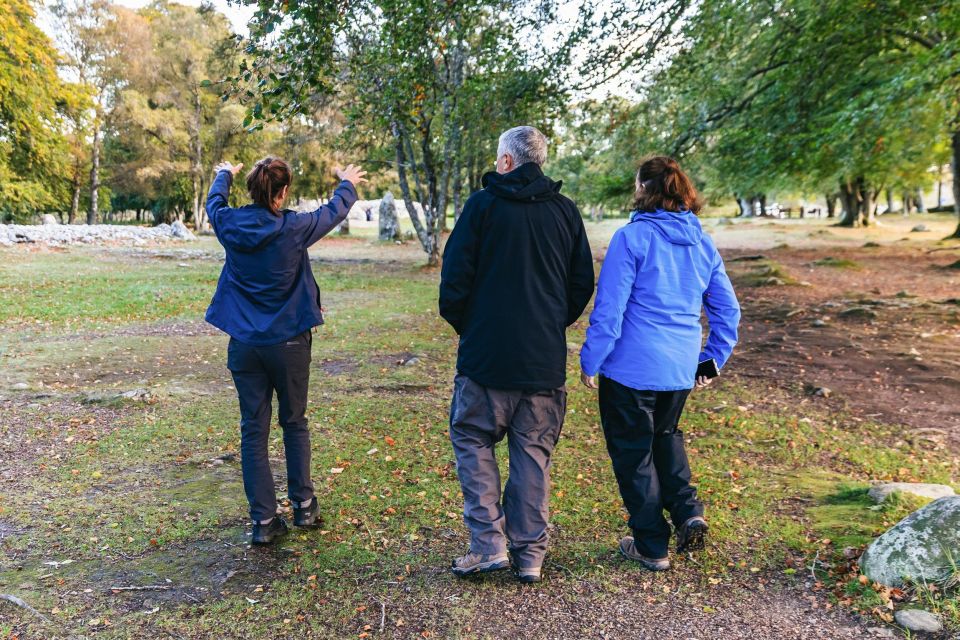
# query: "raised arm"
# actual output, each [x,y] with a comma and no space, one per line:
[327,217]
[580,282]
[220,191]
[617,277]
[460,266]
[723,314]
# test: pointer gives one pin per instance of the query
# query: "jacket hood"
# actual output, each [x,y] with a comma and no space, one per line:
[681,228]
[248,228]
[526,183]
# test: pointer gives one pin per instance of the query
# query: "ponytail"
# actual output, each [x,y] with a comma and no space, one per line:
[266,180]
[662,184]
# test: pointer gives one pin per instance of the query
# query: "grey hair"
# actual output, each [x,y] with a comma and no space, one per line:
[525,144]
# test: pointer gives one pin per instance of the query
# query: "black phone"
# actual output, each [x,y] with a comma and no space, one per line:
[708,368]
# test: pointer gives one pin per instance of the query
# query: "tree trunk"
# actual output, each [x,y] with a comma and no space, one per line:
[75,200]
[763,204]
[831,205]
[918,199]
[744,206]
[867,197]
[955,166]
[457,188]
[850,200]
[345,227]
[399,136]
[199,214]
[95,176]
[891,203]
[940,185]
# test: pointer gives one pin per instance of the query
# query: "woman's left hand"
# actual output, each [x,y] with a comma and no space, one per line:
[588,381]
[703,381]
[227,166]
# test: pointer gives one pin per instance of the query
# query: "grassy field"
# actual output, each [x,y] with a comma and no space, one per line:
[123,516]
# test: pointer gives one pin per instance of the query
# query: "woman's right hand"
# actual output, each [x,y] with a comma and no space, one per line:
[352,174]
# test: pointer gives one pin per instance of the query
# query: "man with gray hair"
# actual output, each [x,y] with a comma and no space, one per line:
[517,271]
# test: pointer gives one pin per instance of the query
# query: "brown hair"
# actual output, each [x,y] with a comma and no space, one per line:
[662,184]
[266,180]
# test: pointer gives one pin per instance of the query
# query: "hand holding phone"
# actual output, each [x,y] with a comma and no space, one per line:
[706,372]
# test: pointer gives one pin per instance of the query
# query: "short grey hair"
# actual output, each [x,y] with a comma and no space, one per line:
[525,144]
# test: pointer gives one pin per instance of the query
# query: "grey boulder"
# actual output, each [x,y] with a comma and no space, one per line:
[918,620]
[919,547]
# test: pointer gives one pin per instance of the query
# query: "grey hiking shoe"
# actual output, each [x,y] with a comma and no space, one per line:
[478,563]
[629,550]
[691,534]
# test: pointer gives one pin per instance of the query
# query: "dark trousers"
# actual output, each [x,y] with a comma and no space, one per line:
[649,461]
[480,417]
[257,373]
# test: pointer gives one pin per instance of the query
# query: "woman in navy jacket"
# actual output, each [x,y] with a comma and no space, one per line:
[644,341]
[268,301]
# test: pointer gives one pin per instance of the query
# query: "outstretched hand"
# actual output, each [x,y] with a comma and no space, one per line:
[227,166]
[352,174]
[588,381]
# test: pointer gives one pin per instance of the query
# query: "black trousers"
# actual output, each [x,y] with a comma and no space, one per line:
[649,461]
[257,373]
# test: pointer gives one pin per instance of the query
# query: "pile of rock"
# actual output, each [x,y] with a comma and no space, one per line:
[51,233]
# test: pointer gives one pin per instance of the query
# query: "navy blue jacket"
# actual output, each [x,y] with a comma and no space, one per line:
[517,271]
[267,293]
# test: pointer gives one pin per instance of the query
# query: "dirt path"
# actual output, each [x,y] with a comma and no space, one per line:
[881,333]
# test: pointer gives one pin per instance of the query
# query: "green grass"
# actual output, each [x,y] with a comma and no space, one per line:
[764,272]
[837,263]
[132,486]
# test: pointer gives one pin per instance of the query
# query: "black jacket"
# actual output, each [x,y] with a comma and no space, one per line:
[517,271]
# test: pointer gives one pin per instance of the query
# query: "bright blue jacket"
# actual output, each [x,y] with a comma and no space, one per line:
[267,293]
[660,271]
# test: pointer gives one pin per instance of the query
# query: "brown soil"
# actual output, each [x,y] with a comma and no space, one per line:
[881,334]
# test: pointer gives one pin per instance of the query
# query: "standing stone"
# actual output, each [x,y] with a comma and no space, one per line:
[49,219]
[389,226]
[180,231]
[922,546]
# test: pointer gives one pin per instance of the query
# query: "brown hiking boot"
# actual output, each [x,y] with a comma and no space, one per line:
[629,550]
[479,563]
[691,534]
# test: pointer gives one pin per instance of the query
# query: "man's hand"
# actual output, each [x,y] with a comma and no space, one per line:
[227,166]
[589,382]
[352,174]
[703,381]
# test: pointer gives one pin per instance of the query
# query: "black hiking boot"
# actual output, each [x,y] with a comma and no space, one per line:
[308,516]
[267,533]
[691,534]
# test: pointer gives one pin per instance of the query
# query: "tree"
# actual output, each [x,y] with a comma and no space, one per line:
[101,45]
[33,104]
[433,80]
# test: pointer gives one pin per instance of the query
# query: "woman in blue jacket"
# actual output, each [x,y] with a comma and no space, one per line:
[644,341]
[268,301]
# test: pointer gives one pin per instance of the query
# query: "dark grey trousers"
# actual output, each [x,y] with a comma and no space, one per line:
[257,373]
[481,417]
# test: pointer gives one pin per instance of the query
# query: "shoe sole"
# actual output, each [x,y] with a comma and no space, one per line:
[483,567]
[643,563]
[696,540]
